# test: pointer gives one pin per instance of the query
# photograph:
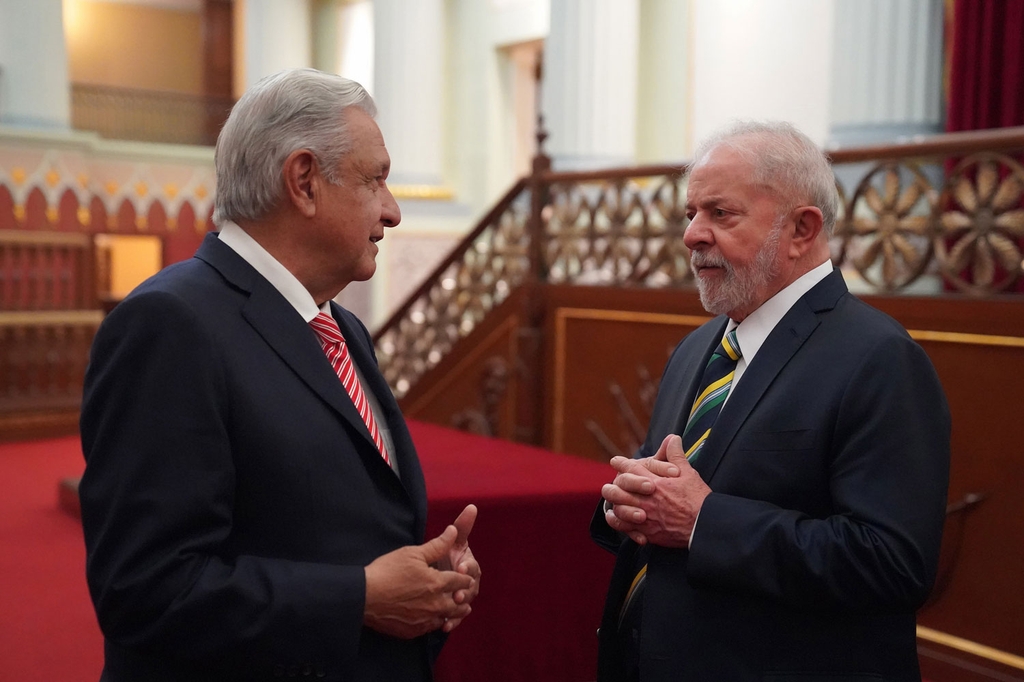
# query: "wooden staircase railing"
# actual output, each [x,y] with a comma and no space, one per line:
[935,215]
[474,279]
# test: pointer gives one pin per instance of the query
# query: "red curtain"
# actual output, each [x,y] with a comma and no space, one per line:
[986,79]
[985,43]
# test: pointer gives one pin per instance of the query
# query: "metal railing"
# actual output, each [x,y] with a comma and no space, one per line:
[148,115]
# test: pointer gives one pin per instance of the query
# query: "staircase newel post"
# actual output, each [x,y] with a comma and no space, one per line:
[539,198]
[530,421]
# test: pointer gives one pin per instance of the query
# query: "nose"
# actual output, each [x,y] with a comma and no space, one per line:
[390,213]
[697,233]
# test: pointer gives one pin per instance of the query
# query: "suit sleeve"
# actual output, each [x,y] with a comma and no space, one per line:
[888,472]
[157,511]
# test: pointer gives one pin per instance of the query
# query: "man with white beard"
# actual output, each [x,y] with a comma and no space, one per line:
[782,520]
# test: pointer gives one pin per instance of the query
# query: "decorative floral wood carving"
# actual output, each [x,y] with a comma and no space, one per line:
[979,243]
[889,226]
[626,231]
[483,276]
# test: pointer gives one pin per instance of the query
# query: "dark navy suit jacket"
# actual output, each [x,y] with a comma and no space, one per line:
[232,494]
[829,467]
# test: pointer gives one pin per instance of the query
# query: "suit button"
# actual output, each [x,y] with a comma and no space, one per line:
[307,670]
[320,672]
[293,670]
[278,671]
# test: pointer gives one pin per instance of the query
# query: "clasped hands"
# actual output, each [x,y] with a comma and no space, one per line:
[418,589]
[656,499]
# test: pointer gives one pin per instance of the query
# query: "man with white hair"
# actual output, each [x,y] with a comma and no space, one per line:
[252,502]
[782,520]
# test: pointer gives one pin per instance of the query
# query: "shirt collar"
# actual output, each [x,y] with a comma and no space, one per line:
[755,328]
[278,275]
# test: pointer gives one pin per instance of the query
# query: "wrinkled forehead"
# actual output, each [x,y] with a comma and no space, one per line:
[734,164]
[722,166]
[740,149]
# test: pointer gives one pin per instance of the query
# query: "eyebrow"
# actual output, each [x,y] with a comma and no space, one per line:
[707,201]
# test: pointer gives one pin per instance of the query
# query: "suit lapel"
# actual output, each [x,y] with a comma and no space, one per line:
[411,474]
[284,330]
[785,340]
[690,381]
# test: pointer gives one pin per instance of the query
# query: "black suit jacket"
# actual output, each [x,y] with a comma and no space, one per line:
[829,467]
[232,494]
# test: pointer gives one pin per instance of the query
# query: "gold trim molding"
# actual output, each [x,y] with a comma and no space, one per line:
[422,192]
[564,314]
[960,337]
[50,318]
[45,238]
[973,648]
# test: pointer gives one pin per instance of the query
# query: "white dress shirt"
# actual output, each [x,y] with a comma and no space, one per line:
[285,282]
[752,332]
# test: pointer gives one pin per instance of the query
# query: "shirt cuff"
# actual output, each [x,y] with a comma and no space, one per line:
[693,531]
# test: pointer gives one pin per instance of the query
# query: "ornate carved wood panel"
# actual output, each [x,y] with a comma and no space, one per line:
[479,391]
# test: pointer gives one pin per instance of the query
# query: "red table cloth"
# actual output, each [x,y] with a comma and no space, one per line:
[544,580]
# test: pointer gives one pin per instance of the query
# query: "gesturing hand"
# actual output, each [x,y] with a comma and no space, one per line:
[460,559]
[656,499]
[406,597]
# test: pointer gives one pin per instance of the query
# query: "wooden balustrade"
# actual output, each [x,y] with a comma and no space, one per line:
[43,355]
[48,317]
[935,215]
[46,271]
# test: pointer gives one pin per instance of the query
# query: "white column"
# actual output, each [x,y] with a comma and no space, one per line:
[408,82]
[590,83]
[664,81]
[887,69]
[278,36]
[355,43]
[34,89]
[762,60]
[325,24]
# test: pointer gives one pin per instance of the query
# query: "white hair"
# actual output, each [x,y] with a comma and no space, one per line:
[290,110]
[785,162]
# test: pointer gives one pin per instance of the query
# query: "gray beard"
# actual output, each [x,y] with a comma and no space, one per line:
[739,287]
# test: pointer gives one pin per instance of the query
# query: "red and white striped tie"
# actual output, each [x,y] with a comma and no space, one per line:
[334,346]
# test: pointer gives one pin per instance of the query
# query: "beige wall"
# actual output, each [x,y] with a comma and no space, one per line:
[132,259]
[133,46]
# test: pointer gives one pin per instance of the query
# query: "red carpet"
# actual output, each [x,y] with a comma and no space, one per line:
[534,620]
[543,586]
[48,630]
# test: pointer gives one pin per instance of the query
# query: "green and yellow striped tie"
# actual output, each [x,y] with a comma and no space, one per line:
[715,385]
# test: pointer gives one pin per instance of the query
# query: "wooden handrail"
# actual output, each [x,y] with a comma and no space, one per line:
[946,144]
[623,173]
[40,238]
[50,318]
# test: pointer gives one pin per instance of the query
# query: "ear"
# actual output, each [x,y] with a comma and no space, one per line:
[807,227]
[302,181]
